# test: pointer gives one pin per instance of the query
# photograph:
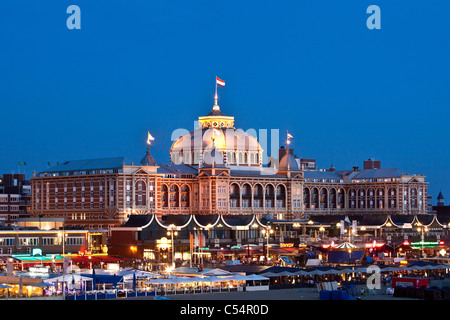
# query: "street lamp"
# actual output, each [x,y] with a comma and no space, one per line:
[323,231]
[422,230]
[267,231]
[62,236]
[172,233]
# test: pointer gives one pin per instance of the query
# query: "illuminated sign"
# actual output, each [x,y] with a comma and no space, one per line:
[326,246]
[374,245]
[429,244]
[36,252]
[85,252]
[286,245]
[163,243]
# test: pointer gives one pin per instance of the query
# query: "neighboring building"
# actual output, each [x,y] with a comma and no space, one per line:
[47,234]
[441,209]
[217,169]
[15,198]
[440,200]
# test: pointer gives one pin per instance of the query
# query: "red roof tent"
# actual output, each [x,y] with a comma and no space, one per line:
[80,259]
[109,259]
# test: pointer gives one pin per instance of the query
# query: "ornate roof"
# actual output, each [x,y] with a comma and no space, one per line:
[288,163]
[148,160]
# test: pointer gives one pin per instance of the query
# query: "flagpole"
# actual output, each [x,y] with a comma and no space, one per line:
[215,95]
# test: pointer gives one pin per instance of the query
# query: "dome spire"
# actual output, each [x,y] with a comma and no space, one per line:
[148,160]
[221,84]
[288,142]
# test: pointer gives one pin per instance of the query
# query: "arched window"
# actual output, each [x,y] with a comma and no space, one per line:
[164,196]
[185,194]
[380,198]
[140,198]
[306,198]
[352,198]
[414,198]
[340,198]
[361,198]
[332,201]
[234,196]
[323,198]
[314,198]
[392,198]
[281,196]
[270,196]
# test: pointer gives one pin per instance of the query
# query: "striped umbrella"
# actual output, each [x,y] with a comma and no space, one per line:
[346,245]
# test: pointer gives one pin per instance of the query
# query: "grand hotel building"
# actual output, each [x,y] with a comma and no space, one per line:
[218,169]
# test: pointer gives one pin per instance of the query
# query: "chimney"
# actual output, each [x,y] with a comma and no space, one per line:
[372,164]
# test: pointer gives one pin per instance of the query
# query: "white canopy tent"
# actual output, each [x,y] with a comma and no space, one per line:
[255,277]
[72,281]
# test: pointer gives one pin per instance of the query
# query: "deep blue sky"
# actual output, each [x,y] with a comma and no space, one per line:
[345,92]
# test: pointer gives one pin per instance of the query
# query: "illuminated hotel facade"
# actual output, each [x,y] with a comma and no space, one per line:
[217,169]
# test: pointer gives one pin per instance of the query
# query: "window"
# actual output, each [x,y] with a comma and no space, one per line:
[74,241]
[7,241]
[51,241]
[29,241]
[233,203]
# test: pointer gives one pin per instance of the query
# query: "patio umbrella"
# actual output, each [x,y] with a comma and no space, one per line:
[285,273]
[346,245]
[318,272]
[255,277]
[237,277]
[213,279]
[270,274]
[134,281]
[349,270]
[336,271]
[300,273]
[388,269]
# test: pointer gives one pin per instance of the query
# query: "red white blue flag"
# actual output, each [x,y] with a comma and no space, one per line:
[220,82]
